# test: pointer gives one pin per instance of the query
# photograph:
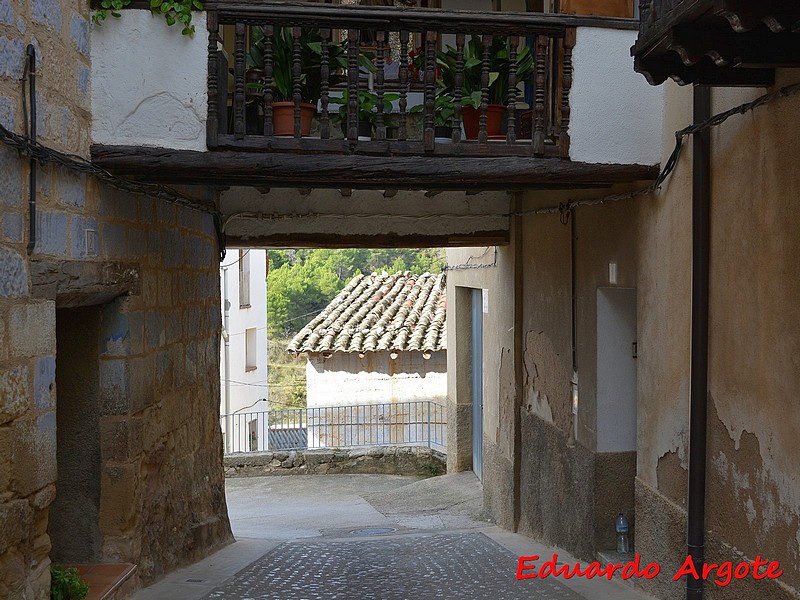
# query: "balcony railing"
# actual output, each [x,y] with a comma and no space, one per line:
[388,81]
[417,423]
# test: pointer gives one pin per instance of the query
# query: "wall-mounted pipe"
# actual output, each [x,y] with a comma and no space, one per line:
[701,228]
[226,305]
[573,235]
[31,69]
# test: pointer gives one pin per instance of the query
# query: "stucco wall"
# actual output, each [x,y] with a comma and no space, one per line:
[161,481]
[345,379]
[753,504]
[615,115]
[149,82]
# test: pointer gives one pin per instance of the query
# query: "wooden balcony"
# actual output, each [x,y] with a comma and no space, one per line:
[312,95]
[387,81]
[717,42]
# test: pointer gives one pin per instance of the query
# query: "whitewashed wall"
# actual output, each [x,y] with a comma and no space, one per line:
[616,115]
[248,388]
[345,379]
[149,82]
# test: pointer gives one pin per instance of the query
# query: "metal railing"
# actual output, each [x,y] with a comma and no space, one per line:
[417,423]
[388,81]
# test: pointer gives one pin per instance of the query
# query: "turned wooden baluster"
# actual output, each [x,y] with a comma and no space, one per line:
[238,83]
[458,93]
[212,125]
[403,84]
[430,90]
[511,133]
[297,72]
[483,136]
[380,39]
[269,127]
[325,77]
[540,83]
[566,86]
[352,85]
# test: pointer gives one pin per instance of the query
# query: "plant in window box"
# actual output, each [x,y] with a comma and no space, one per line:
[499,69]
[443,113]
[282,69]
[367,111]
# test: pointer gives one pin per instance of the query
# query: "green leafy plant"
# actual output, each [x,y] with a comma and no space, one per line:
[499,69]
[66,584]
[174,11]
[367,106]
[443,109]
[310,62]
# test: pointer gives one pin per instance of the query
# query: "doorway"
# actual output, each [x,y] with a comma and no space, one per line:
[74,523]
[477,382]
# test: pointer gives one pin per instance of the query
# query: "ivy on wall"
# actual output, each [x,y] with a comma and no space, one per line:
[174,11]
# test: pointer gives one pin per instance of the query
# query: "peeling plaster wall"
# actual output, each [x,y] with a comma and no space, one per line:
[753,502]
[499,394]
[149,82]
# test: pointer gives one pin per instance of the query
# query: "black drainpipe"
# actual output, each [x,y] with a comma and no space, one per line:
[701,203]
[31,53]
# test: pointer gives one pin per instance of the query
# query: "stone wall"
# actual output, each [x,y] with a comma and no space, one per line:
[153,273]
[388,460]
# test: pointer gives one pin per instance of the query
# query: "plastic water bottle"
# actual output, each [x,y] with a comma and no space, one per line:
[623,547]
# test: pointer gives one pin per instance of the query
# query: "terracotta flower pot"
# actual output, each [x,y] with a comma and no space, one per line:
[472,120]
[283,118]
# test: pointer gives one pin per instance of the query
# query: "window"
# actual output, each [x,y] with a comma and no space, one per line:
[250,350]
[244,278]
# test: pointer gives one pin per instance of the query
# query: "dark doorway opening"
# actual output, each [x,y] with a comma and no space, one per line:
[74,524]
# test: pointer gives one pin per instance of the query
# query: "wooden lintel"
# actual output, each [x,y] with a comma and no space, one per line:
[361,172]
[319,240]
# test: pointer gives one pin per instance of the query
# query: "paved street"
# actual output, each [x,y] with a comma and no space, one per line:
[369,536]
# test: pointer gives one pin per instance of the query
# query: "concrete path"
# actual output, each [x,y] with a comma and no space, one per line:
[369,536]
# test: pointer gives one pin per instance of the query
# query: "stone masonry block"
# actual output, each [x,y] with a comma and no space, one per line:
[142,372]
[51,235]
[11,58]
[71,188]
[33,459]
[173,248]
[78,229]
[121,438]
[16,520]
[14,399]
[8,116]
[47,12]
[13,226]
[114,240]
[114,387]
[79,32]
[82,77]
[32,329]
[118,204]
[5,457]
[6,12]
[119,487]
[156,332]
[44,383]
[115,331]
[13,274]
[11,182]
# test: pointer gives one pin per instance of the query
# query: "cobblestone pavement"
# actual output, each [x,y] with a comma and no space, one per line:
[397,567]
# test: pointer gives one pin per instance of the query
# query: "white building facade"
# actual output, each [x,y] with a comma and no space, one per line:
[243,348]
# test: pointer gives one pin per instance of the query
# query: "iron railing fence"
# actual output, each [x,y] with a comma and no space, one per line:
[416,423]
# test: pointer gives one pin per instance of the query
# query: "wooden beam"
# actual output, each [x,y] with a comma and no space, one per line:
[361,172]
[319,240]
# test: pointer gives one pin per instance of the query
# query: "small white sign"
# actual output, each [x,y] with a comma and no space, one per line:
[485,301]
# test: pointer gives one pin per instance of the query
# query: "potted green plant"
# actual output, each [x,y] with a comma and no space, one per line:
[283,67]
[499,70]
[66,584]
[367,111]
[443,113]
